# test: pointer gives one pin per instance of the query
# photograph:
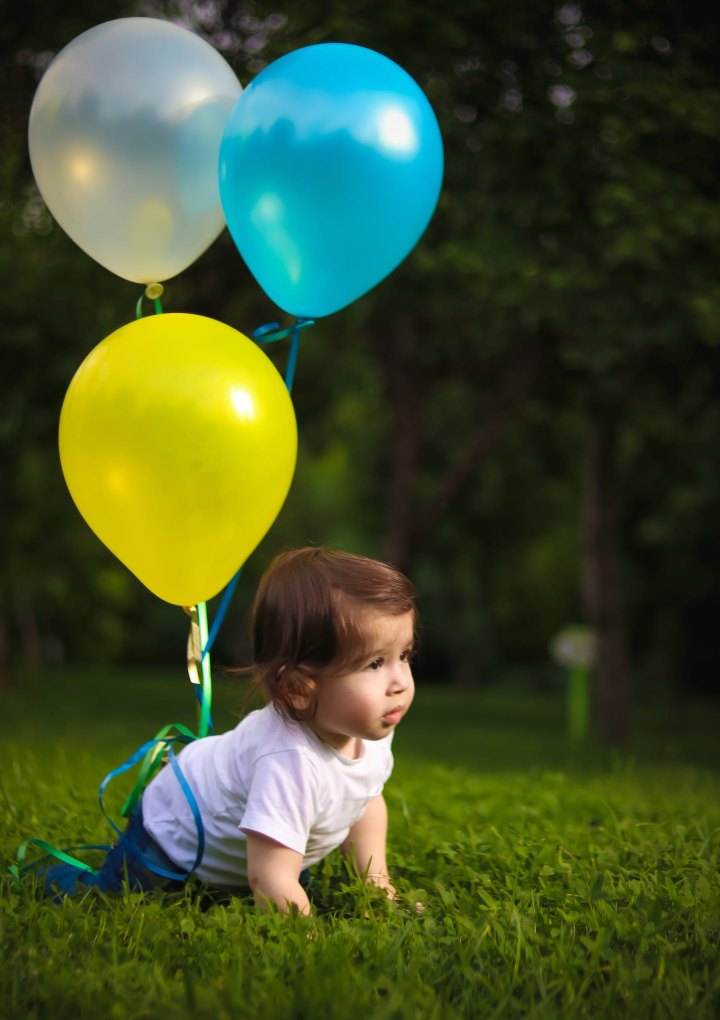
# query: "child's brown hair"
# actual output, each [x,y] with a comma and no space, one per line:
[309,620]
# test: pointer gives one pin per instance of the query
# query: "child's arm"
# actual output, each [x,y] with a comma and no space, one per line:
[274,872]
[366,843]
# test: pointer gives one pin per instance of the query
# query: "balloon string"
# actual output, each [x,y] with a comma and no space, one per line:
[222,610]
[204,692]
[153,292]
[266,334]
[271,332]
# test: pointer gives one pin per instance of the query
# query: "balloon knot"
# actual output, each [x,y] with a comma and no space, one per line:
[271,331]
[153,291]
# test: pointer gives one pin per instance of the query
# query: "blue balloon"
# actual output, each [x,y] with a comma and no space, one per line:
[330,168]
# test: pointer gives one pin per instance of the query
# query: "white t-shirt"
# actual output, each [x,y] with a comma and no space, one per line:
[267,775]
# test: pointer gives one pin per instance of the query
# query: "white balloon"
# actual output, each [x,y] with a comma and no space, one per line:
[124,136]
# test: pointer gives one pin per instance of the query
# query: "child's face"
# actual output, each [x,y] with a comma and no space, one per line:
[370,702]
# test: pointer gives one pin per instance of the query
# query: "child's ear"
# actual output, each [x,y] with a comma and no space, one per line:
[299,690]
[300,702]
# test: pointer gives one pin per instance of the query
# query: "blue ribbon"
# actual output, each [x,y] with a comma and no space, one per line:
[271,332]
[219,617]
[193,804]
[189,796]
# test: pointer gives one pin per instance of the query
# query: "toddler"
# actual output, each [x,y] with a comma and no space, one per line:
[255,807]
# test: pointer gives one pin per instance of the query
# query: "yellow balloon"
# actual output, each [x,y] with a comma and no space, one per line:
[178,443]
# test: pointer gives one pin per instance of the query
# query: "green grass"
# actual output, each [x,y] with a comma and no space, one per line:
[556,882]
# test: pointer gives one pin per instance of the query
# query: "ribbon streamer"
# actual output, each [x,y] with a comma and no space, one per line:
[198,663]
[271,332]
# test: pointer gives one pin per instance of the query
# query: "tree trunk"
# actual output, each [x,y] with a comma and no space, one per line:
[601,584]
[512,388]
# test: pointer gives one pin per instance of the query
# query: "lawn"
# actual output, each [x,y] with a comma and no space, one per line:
[557,881]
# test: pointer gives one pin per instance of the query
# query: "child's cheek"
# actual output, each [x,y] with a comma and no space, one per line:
[361,707]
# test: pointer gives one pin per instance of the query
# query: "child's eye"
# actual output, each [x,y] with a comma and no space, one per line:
[375,664]
[407,655]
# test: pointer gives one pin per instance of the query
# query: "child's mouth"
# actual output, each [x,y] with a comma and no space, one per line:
[393,717]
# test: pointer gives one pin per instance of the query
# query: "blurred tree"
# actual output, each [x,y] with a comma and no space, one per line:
[502,407]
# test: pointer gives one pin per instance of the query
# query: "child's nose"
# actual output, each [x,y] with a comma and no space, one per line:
[400,677]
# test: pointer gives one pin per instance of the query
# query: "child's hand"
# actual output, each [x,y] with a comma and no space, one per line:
[382,881]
